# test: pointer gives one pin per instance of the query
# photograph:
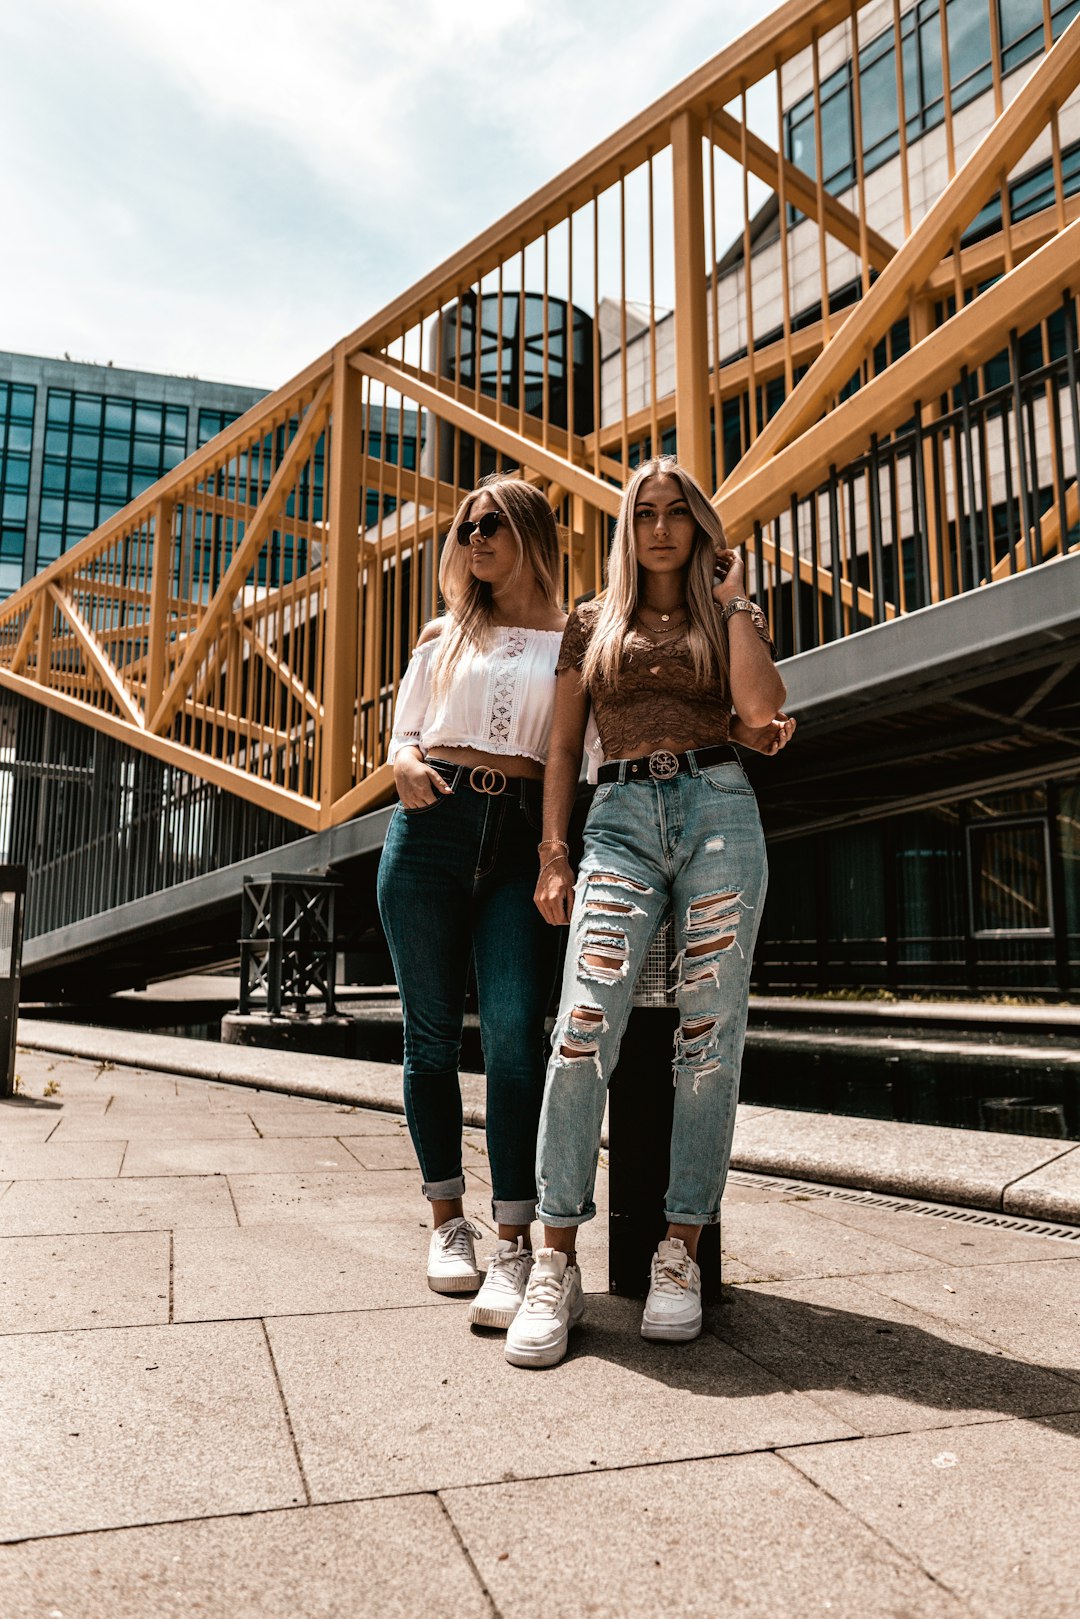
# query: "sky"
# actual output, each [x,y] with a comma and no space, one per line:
[225,188]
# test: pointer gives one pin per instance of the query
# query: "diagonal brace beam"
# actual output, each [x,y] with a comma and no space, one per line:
[799,188]
[248,550]
[102,666]
[571,477]
[1003,145]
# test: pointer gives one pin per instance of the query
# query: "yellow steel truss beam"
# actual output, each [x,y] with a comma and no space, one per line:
[245,555]
[495,434]
[1056,76]
[973,335]
[764,161]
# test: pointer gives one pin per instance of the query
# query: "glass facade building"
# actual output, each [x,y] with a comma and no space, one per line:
[77,442]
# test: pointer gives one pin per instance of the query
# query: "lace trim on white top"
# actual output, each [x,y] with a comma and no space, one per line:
[502,700]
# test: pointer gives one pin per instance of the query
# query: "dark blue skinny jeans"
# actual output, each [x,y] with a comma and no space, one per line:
[456,882]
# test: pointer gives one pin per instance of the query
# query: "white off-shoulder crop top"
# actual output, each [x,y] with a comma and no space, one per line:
[499,701]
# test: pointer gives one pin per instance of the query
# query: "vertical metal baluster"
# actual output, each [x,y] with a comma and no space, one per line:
[1010,496]
[877,559]
[1026,518]
[972,518]
[834,556]
[796,615]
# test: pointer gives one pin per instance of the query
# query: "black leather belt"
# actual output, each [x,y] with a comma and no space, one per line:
[660,765]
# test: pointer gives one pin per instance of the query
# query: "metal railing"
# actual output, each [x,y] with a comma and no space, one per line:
[830,363]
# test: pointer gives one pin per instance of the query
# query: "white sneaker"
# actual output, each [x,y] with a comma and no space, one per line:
[673,1307]
[503,1292]
[553,1304]
[451,1260]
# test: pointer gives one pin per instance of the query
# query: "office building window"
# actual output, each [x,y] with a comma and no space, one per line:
[970,74]
[100,452]
[17,403]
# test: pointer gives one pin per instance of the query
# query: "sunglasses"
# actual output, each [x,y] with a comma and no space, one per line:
[487,527]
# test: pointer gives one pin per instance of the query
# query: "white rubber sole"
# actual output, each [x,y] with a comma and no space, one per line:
[491,1315]
[540,1355]
[454,1284]
[670,1332]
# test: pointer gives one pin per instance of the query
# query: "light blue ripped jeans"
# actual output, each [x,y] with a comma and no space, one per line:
[692,845]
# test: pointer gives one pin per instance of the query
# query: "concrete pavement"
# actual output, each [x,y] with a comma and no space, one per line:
[226,1390]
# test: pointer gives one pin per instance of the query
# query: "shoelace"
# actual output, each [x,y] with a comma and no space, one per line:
[506,1268]
[543,1293]
[454,1244]
[671,1275]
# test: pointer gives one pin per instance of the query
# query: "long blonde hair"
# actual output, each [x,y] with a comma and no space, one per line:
[618,605]
[469,601]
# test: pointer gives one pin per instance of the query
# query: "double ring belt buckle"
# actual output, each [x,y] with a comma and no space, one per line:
[663,765]
[483,779]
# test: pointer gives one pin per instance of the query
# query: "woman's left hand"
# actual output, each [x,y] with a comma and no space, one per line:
[728,577]
[763,738]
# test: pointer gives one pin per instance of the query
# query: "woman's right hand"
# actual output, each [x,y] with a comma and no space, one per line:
[554,896]
[418,784]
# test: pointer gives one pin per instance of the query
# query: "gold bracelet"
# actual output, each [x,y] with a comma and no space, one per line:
[552,862]
[554,843]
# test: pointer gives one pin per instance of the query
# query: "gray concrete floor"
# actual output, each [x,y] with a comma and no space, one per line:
[226,1390]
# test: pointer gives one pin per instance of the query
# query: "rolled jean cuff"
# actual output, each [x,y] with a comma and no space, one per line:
[513,1211]
[561,1221]
[443,1191]
[692,1219]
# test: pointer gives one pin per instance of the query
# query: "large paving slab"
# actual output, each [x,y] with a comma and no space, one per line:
[156,1124]
[381,1152]
[159,1203]
[420,1402]
[82,1160]
[989,1511]
[879,1365]
[315,1197]
[950,1240]
[1050,1193]
[1031,1311]
[300,1269]
[27,1122]
[140,1424]
[49,1284]
[915,1160]
[255,1157]
[363,1560]
[743,1535]
[322,1119]
[767,1244]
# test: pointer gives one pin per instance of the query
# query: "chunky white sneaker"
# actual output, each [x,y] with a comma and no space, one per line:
[553,1304]
[673,1307]
[503,1292]
[451,1260]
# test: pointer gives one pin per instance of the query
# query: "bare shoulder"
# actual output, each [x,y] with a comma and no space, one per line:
[431,631]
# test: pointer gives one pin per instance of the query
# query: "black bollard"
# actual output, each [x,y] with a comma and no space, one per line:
[640,1108]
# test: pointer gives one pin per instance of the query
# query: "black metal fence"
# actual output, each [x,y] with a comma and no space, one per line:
[977,485]
[98,823]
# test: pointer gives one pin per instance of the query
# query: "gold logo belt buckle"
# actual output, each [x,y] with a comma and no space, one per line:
[663,765]
[482,779]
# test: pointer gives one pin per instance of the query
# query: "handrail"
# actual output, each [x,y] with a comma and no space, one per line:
[250,615]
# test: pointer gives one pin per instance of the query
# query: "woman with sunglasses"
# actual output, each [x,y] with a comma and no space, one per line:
[458,870]
[662,657]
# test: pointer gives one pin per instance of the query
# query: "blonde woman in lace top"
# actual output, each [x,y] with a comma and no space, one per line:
[663,659]
[458,868]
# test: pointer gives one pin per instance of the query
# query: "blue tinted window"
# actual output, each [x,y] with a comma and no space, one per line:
[19,435]
[969,49]
[17,472]
[118,415]
[22,403]
[59,406]
[87,411]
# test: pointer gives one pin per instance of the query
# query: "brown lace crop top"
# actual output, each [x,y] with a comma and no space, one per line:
[658,694]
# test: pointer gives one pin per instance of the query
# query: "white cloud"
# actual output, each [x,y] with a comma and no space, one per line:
[228,187]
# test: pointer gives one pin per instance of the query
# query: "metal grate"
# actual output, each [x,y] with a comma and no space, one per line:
[901,1205]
